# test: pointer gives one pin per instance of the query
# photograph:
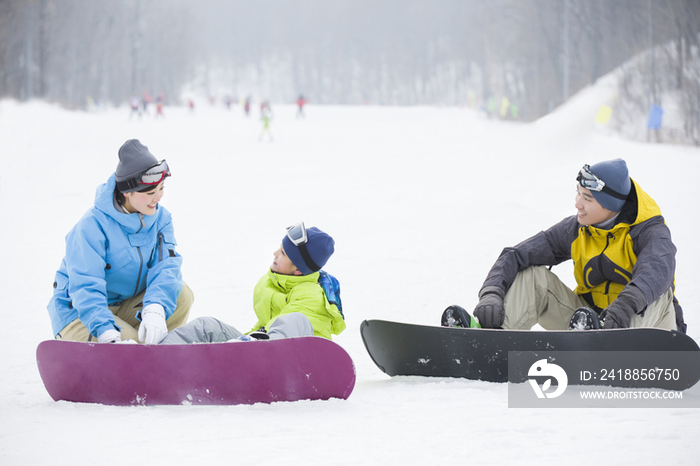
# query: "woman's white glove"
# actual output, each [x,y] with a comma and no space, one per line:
[110,336]
[152,329]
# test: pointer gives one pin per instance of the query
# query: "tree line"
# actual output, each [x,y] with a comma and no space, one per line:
[536,53]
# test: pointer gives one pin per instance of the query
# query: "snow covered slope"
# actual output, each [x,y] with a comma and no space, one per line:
[420,202]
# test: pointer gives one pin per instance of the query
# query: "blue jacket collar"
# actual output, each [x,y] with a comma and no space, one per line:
[104,202]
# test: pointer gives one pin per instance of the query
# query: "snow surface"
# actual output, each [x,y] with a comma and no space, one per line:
[420,202]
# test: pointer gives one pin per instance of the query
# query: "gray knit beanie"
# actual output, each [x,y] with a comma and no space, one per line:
[134,160]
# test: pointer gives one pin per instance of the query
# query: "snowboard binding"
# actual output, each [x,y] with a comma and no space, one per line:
[585,318]
[457,316]
[259,334]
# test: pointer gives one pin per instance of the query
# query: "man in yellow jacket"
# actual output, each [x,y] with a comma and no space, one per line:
[289,300]
[624,265]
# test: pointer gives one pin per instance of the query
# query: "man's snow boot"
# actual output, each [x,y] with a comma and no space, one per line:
[457,316]
[585,318]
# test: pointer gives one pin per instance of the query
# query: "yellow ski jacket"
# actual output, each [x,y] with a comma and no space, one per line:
[278,294]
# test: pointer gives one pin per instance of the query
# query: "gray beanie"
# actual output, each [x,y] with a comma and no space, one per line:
[616,177]
[134,160]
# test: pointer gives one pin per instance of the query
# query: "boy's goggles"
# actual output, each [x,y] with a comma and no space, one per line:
[297,234]
[588,180]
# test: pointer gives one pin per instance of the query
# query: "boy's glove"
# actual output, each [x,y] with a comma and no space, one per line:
[628,303]
[110,336]
[152,329]
[490,310]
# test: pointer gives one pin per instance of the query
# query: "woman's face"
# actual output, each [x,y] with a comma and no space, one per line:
[144,202]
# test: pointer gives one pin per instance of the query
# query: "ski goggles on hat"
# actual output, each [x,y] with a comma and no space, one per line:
[588,180]
[297,234]
[155,174]
[151,177]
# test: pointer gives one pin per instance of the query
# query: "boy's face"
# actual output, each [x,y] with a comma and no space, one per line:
[590,212]
[281,263]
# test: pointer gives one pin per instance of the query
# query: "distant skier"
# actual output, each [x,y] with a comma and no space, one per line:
[135,105]
[147,99]
[246,106]
[288,300]
[160,101]
[505,105]
[300,104]
[266,117]
[624,265]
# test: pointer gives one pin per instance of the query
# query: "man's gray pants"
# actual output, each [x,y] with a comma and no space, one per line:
[538,296]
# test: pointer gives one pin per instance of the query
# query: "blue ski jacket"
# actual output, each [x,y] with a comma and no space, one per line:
[110,257]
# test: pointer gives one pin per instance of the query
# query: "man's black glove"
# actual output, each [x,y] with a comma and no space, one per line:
[490,310]
[628,303]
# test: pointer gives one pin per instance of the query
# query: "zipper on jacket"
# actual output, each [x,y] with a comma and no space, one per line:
[160,247]
[143,224]
[138,279]
[608,237]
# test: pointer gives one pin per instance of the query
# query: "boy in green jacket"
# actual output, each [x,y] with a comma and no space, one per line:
[288,300]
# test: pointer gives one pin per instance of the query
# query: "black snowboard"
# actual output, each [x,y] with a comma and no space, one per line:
[482,354]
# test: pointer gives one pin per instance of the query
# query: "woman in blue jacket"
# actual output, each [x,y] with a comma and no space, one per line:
[120,278]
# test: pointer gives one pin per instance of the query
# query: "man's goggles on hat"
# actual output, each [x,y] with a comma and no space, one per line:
[297,235]
[151,177]
[588,180]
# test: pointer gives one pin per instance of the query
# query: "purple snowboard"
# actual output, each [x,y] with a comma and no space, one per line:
[309,368]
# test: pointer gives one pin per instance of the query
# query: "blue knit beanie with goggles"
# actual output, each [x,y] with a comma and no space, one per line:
[319,247]
[617,183]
